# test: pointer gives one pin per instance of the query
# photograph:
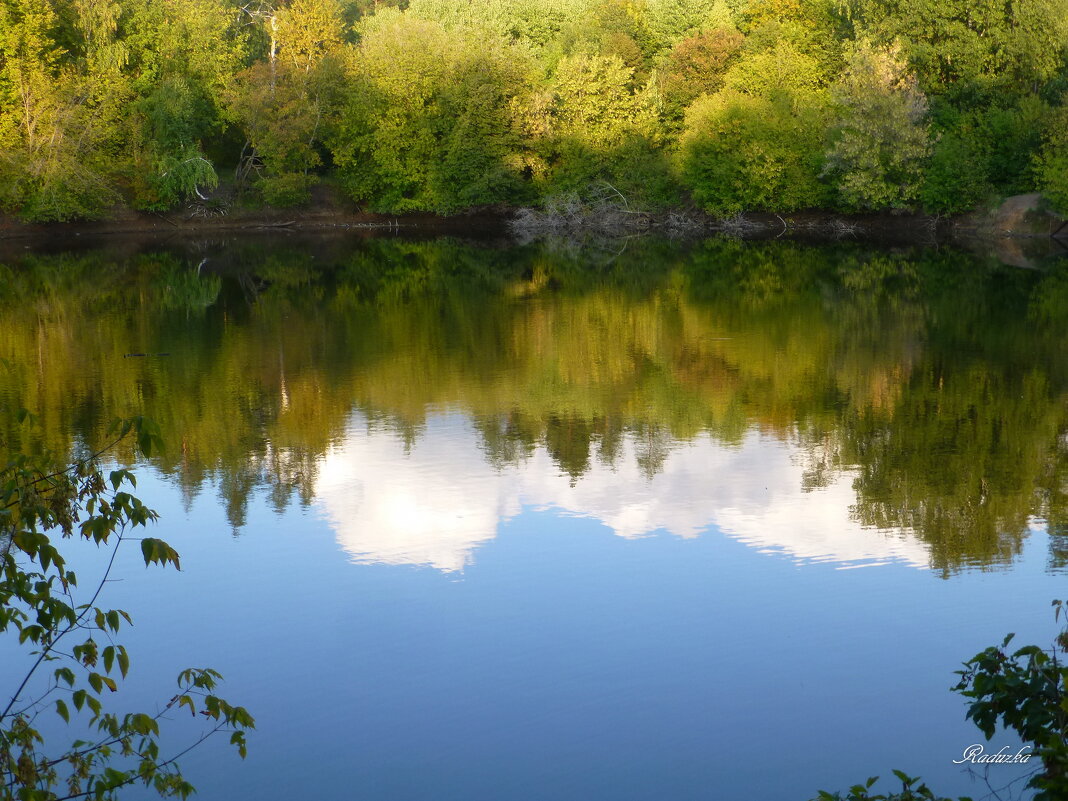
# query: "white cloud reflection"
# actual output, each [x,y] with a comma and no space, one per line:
[436,503]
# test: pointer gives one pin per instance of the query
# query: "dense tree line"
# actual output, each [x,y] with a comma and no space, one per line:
[444,105]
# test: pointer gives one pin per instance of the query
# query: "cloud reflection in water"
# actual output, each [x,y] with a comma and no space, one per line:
[434,502]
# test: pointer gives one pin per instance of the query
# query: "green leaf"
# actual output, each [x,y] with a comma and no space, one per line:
[904,777]
[185,700]
[238,739]
[66,675]
[61,708]
[158,551]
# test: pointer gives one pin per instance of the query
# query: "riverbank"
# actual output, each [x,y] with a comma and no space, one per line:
[1018,218]
[204,217]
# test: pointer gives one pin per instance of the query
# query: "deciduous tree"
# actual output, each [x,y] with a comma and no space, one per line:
[880,135]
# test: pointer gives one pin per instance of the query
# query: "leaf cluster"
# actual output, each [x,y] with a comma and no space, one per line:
[75,662]
[1025,691]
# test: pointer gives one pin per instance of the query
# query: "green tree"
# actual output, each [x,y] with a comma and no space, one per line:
[775,65]
[696,66]
[956,178]
[1051,164]
[746,152]
[814,27]
[309,31]
[670,21]
[52,165]
[997,142]
[591,125]
[174,166]
[1011,46]
[43,499]
[880,136]
[613,28]
[428,123]
[286,104]
[535,24]
[183,55]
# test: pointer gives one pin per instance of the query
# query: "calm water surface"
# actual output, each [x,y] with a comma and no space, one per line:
[457,521]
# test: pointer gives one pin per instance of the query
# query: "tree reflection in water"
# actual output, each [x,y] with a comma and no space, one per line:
[931,381]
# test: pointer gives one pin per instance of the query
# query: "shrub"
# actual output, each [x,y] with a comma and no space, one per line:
[287,189]
[742,152]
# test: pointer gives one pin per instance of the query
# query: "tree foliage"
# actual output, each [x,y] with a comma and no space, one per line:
[1052,162]
[956,43]
[743,151]
[285,105]
[855,359]
[696,66]
[74,659]
[426,124]
[515,101]
[53,155]
[880,136]
[1025,691]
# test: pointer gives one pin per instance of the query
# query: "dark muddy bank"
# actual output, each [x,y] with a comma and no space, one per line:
[1019,232]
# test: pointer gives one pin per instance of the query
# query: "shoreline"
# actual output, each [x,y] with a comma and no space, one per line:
[1015,229]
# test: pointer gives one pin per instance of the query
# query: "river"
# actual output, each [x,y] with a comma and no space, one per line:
[641,520]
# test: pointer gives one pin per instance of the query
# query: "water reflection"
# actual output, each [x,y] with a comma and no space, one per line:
[848,404]
[434,502]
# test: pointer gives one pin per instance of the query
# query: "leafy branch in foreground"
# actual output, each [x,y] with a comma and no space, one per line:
[1025,691]
[74,659]
[910,791]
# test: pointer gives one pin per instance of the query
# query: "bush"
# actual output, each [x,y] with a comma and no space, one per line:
[956,179]
[287,189]
[983,153]
[744,153]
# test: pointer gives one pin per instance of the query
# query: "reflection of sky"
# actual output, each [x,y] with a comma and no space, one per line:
[437,502]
